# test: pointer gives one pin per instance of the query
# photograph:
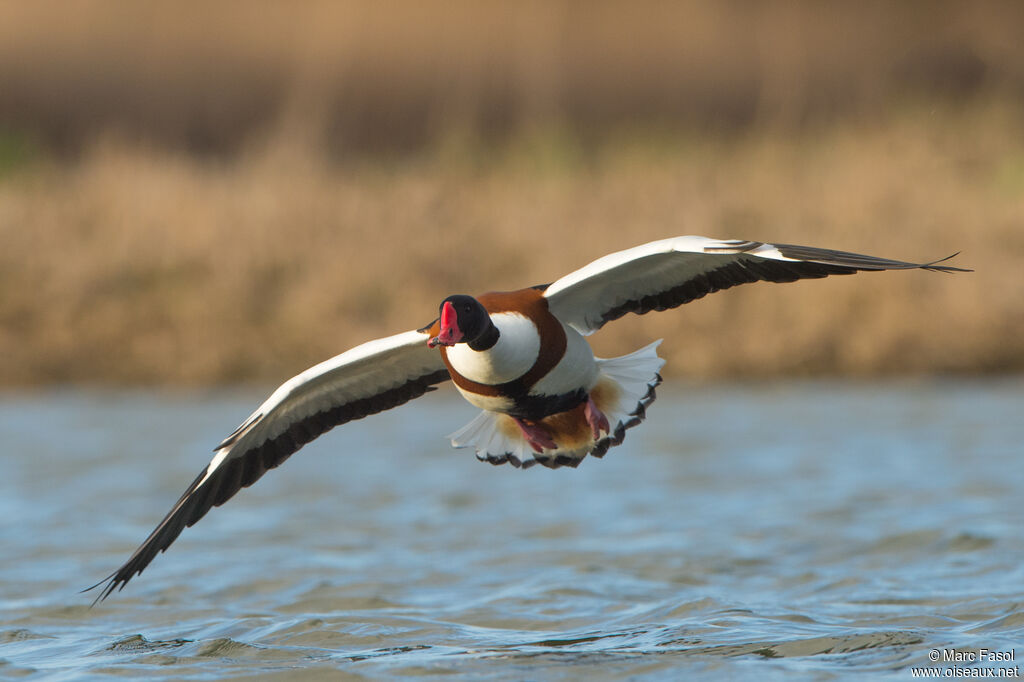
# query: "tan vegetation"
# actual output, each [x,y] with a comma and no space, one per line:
[359,76]
[156,245]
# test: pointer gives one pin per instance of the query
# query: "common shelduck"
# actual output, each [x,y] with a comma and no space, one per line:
[520,356]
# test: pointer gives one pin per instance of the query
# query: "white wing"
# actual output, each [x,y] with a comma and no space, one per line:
[367,379]
[670,272]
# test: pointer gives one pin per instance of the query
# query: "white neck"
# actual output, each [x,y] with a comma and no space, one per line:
[511,357]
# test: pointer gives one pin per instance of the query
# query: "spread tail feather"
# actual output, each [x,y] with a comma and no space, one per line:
[624,389]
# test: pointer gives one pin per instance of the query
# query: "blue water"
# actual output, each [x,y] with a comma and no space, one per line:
[820,530]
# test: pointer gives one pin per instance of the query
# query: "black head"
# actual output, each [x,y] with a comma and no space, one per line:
[464,320]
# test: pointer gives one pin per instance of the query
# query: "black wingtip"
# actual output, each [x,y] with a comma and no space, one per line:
[935,267]
[111,583]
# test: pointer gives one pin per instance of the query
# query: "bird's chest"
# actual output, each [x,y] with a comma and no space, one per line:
[514,354]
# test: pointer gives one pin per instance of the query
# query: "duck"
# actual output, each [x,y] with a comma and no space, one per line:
[522,357]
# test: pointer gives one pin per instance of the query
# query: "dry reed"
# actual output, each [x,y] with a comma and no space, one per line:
[193,195]
[138,266]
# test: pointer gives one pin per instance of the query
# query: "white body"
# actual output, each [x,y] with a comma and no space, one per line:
[577,368]
[514,355]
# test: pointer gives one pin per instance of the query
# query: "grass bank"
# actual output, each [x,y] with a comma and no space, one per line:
[139,265]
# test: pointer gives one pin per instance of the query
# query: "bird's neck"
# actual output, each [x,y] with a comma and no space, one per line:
[487,339]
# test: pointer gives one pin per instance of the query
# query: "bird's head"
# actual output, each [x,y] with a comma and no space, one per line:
[464,320]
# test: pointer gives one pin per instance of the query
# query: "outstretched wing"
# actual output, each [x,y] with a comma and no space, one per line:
[670,272]
[367,379]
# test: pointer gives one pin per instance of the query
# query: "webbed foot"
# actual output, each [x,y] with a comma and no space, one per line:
[596,419]
[536,435]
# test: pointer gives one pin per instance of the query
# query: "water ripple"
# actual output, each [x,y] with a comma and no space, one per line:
[884,527]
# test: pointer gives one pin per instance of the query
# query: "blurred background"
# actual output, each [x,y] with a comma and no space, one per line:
[199,193]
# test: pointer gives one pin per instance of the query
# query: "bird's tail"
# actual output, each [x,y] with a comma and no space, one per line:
[624,389]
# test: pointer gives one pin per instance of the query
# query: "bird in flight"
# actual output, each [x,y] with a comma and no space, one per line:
[521,356]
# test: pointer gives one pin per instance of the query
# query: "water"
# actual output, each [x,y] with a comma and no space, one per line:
[820,530]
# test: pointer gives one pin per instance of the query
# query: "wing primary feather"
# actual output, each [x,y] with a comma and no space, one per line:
[861,261]
[231,481]
[147,550]
[238,471]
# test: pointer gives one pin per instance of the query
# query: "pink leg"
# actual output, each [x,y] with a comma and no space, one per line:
[598,422]
[536,435]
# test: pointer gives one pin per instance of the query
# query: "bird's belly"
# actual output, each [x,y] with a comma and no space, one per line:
[490,402]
